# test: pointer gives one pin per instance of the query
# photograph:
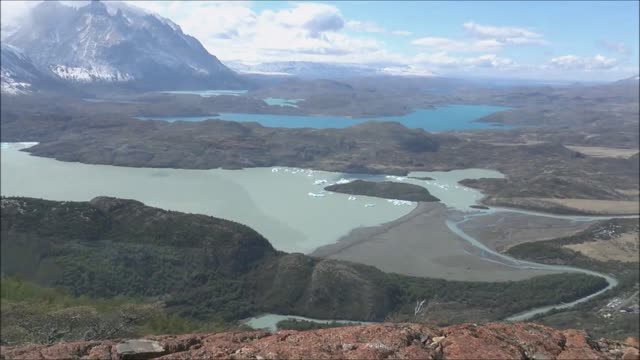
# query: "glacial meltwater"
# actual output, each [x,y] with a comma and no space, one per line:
[288,206]
[445,118]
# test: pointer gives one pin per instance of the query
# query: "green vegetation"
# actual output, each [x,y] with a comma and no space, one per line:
[384,189]
[34,314]
[514,296]
[179,272]
[587,315]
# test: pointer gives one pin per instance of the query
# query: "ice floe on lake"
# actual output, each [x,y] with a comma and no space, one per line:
[21,145]
[344,181]
[400,202]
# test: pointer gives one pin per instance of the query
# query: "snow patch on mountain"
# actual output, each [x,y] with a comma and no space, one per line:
[112,42]
[9,86]
[17,72]
[99,73]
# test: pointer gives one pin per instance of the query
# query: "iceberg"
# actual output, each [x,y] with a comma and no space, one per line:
[344,181]
[396,178]
[316,194]
[369,205]
[22,145]
[320,182]
[352,198]
[400,202]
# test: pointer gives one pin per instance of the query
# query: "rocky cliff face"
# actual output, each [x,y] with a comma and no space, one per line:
[380,341]
[18,74]
[117,44]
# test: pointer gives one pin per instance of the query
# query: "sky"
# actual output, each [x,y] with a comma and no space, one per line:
[552,40]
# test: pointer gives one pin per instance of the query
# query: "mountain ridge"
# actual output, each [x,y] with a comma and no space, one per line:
[208,268]
[117,45]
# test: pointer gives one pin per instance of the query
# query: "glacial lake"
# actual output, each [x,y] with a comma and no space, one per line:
[445,118]
[270,321]
[282,102]
[286,205]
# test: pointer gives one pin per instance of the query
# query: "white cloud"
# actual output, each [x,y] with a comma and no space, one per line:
[488,60]
[11,14]
[446,44]
[573,62]
[441,59]
[484,39]
[315,18]
[303,31]
[365,26]
[444,60]
[505,34]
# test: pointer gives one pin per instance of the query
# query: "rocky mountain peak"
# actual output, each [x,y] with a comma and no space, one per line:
[116,43]
[96,6]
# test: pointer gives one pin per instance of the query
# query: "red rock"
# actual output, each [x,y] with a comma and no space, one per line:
[631,354]
[631,341]
[378,341]
[577,346]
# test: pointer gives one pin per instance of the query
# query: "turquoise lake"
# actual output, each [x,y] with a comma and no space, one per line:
[282,102]
[453,117]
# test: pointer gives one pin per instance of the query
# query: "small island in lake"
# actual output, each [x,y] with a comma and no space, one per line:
[384,189]
[482,207]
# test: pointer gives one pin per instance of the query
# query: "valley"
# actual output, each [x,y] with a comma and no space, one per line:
[273,169]
[180,168]
[79,242]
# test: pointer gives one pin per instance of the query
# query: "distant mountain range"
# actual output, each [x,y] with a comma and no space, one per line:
[630,80]
[107,43]
[319,70]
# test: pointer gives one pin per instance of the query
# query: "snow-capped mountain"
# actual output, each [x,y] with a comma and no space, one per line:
[18,75]
[117,44]
[318,70]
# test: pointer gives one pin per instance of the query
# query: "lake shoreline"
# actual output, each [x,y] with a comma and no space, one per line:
[459,117]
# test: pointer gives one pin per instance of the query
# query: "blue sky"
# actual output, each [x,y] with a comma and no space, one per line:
[569,40]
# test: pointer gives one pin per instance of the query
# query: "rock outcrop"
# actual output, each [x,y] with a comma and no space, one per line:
[410,341]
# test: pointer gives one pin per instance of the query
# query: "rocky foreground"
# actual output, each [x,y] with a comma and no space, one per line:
[411,341]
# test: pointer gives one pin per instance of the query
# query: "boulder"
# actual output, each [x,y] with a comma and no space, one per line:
[139,349]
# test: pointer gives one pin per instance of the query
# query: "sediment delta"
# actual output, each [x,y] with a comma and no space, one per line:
[420,244]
